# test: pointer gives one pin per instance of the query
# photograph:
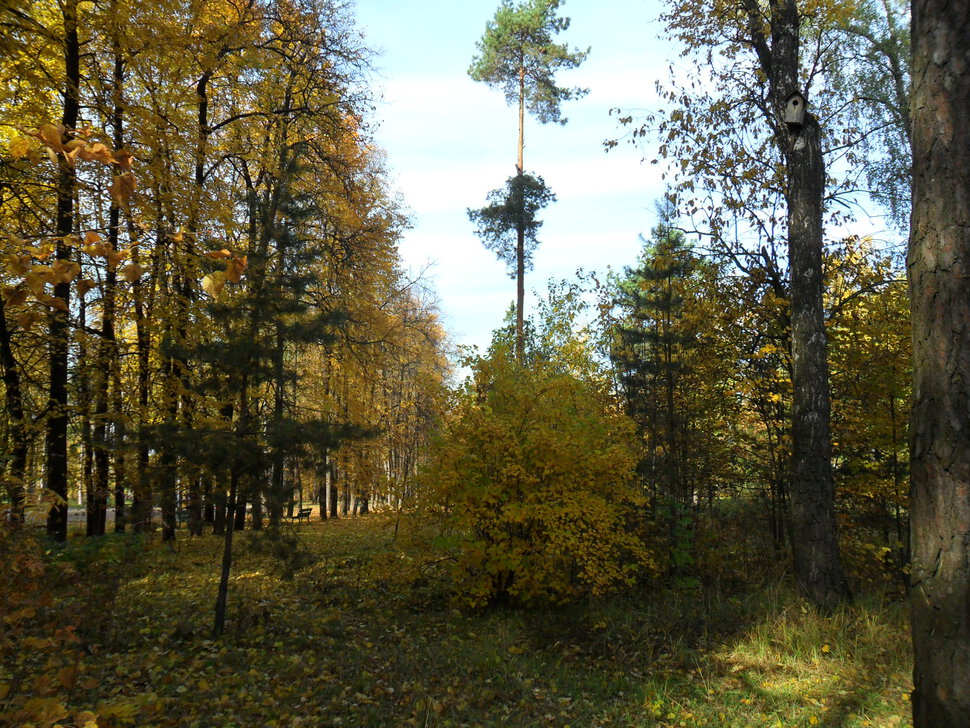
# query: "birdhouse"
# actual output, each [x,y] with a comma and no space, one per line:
[795,110]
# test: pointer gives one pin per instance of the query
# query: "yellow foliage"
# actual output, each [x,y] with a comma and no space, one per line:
[535,474]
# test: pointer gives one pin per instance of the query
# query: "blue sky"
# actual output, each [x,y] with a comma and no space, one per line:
[450,140]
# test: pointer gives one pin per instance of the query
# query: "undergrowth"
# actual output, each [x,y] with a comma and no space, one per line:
[358,633]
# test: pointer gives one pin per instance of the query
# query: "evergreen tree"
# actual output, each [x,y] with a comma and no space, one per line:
[649,354]
[518,55]
[508,226]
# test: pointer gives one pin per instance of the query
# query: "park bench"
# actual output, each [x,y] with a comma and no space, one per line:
[302,513]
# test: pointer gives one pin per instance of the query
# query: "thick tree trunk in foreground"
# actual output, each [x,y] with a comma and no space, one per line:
[939,280]
[815,545]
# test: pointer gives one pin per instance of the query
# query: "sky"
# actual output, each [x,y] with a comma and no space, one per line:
[450,140]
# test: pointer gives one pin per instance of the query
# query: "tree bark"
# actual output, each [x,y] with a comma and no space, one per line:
[520,232]
[222,597]
[332,493]
[815,545]
[107,353]
[15,480]
[939,281]
[58,332]
[815,548]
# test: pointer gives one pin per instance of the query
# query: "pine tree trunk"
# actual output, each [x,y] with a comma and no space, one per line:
[939,281]
[58,332]
[818,566]
[520,233]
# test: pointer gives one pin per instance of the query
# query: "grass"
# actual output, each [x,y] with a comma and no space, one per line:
[343,643]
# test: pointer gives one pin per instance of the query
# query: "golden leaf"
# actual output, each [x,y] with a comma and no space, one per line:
[122,189]
[97,152]
[64,271]
[46,710]
[123,159]
[71,156]
[20,147]
[15,296]
[84,285]
[133,272]
[101,250]
[54,302]
[66,675]
[218,254]
[36,281]
[50,135]
[235,269]
[19,264]
[214,283]
[86,719]
[116,256]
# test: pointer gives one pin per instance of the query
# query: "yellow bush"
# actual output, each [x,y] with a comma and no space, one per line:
[535,477]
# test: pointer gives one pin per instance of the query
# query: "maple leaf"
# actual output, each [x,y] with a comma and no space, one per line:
[122,188]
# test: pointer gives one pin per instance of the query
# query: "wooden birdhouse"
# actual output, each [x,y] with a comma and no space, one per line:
[795,110]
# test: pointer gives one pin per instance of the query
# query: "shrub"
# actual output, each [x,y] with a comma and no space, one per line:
[534,476]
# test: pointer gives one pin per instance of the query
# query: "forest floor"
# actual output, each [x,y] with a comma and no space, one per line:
[330,640]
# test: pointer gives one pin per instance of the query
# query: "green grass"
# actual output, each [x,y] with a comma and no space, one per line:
[343,644]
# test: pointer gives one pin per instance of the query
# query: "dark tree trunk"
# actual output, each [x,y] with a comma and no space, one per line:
[120,461]
[332,493]
[257,511]
[277,479]
[818,566]
[57,405]
[195,505]
[82,408]
[141,497]
[345,502]
[939,281]
[239,520]
[19,439]
[208,507]
[219,513]
[168,459]
[107,354]
[114,233]
[814,535]
[222,598]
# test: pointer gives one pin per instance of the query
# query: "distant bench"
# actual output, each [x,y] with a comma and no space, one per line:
[301,514]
